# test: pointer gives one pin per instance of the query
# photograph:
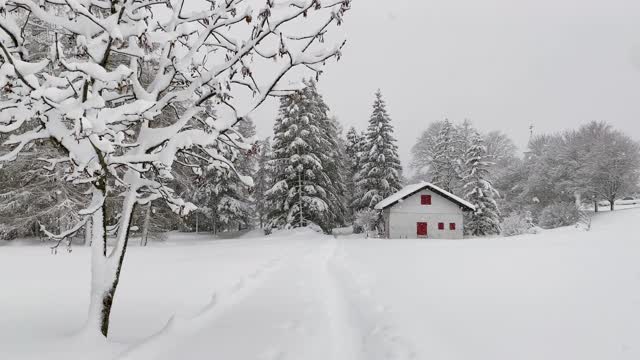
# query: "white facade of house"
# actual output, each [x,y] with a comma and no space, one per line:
[405,216]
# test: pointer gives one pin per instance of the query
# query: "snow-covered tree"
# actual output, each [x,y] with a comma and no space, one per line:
[307,185]
[226,201]
[31,196]
[500,149]
[609,163]
[123,89]
[380,170]
[485,220]
[423,151]
[445,171]
[354,143]
[263,182]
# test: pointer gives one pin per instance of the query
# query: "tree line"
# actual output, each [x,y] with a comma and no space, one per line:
[313,173]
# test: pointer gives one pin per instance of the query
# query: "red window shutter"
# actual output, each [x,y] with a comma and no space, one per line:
[440,226]
[421,229]
[425,199]
[452,226]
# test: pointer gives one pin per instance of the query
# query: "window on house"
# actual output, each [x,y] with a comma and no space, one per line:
[440,226]
[425,199]
[452,226]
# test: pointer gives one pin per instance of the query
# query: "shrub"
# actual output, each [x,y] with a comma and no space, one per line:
[559,214]
[366,220]
[517,224]
[7,233]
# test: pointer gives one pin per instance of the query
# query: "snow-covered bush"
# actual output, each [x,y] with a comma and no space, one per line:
[559,214]
[584,222]
[7,233]
[366,220]
[518,224]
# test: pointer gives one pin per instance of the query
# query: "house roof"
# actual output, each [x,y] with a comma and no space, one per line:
[409,190]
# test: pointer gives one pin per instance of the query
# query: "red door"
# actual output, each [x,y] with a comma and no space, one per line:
[422,229]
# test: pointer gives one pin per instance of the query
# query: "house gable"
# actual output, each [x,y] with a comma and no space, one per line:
[414,204]
[421,189]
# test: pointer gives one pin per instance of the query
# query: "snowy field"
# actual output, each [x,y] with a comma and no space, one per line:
[562,294]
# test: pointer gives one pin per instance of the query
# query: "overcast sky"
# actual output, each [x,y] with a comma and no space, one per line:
[504,64]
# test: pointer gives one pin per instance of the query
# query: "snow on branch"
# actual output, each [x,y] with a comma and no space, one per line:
[124,88]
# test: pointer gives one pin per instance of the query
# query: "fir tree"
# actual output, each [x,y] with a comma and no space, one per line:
[485,220]
[353,154]
[445,169]
[263,182]
[307,187]
[223,197]
[380,171]
[331,152]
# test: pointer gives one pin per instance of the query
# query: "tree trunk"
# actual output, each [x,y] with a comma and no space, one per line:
[145,225]
[595,205]
[105,269]
[87,233]
[612,203]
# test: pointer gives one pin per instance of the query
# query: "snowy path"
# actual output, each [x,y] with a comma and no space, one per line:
[297,310]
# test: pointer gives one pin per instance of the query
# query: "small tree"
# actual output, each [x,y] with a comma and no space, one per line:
[124,93]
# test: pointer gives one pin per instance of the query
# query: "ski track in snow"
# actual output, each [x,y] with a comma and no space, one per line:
[180,327]
[380,338]
[331,314]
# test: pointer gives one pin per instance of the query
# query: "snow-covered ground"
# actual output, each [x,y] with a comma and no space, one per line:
[562,294]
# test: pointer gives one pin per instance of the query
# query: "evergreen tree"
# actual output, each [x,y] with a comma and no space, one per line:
[223,197]
[353,153]
[263,181]
[485,220]
[308,187]
[445,171]
[380,171]
[331,149]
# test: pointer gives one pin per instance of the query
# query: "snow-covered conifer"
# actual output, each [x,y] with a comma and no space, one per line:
[485,220]
[262,182]
[353,152]
[380,170]
[307,185]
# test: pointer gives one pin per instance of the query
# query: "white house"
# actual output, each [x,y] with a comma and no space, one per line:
[424,210]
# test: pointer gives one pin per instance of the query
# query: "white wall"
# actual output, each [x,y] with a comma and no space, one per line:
[404,216]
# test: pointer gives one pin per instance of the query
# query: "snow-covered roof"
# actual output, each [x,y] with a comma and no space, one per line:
[409,190]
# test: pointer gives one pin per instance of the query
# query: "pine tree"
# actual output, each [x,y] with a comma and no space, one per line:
[380,171]
[263,181]
[353,153]
[227,200]
[331,152]
[307,187]
[485,220]
[445,170]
